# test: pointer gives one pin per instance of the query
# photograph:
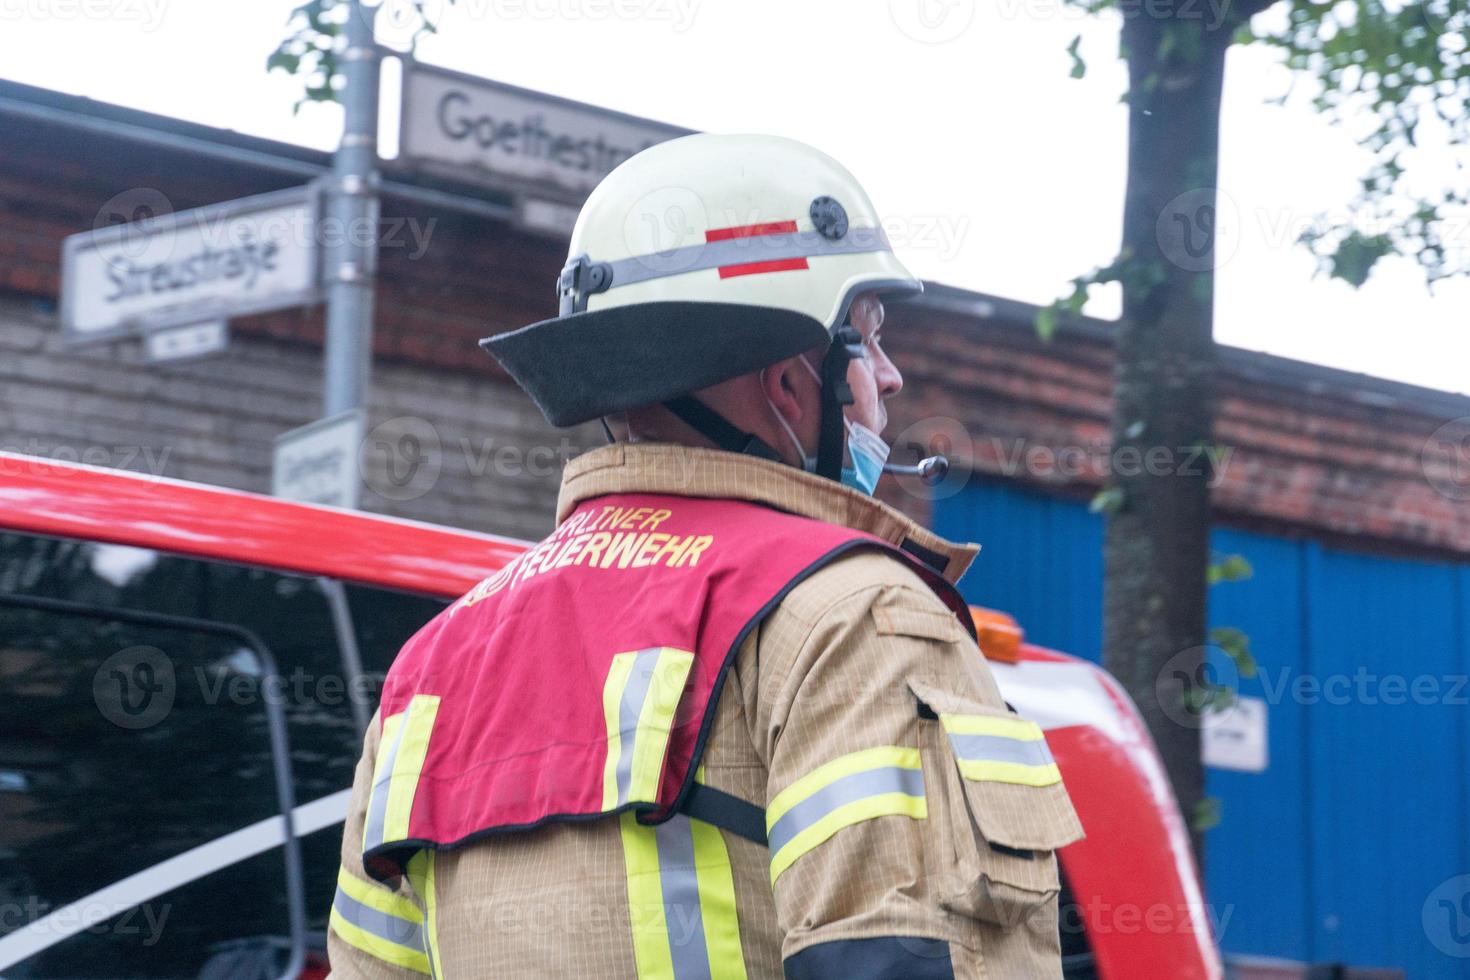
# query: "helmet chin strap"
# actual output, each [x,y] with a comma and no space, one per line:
[832,437]
[847,344]
[714,427]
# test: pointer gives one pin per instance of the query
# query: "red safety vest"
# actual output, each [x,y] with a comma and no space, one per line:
[579,680]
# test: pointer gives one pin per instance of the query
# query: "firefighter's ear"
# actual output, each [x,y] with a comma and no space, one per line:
[792,389]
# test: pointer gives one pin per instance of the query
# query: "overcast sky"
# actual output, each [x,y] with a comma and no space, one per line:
[958,115]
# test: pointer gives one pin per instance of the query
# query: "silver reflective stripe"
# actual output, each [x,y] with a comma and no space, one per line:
[848,789]
[682,912]
[372,834]
[630,706]
[389,928]
[998,748]
[739,251]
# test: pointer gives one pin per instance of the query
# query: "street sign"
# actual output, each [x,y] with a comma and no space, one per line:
[317,463]
[465,127]
[1236,737]
[188,342]
[224,260]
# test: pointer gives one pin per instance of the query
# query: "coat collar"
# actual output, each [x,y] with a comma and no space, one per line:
[694,472]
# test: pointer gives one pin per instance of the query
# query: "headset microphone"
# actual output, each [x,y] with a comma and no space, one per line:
[930,469]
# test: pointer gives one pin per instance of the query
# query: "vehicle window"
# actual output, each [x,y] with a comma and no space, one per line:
[123,746]
[292,617]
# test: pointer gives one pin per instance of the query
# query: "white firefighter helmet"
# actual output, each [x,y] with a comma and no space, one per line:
[696,261]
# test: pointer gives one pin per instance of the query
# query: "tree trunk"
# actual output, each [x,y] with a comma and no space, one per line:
[1156,546]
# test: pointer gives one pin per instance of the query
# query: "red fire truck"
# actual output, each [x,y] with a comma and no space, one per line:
[186,673]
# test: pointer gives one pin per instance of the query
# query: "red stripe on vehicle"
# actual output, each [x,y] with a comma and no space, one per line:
[749,231]
[751,268]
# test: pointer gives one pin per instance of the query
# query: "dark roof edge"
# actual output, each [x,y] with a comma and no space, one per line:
[136,125]
[1248,365]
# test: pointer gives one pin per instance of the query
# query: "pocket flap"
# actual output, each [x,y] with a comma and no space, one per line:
[895,613]
[1012,784]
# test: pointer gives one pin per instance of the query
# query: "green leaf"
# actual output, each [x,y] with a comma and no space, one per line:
[1079,67]
[1109,500]
[1231,568]
[1356,255]
[1237,646]
[1207,814]
[1046,322]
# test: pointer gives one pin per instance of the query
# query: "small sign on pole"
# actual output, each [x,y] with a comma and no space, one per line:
[188,342]
[1236,737]
[317,463]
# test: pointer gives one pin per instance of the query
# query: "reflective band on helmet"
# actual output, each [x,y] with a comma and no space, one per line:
[639,699]
[396,779]
[681,901]
[1001,750]
[381,923]
[745,250]
[878,782]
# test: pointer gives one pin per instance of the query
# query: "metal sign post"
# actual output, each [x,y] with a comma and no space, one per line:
[352,240]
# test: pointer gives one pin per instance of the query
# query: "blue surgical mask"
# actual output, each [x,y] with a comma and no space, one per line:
[865,448]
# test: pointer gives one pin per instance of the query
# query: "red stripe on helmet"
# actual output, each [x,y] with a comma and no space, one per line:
[750,231]
[751,268]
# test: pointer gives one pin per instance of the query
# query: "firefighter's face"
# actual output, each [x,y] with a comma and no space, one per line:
[873,377]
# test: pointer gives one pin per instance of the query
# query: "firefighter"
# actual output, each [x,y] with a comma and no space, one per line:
[729,720]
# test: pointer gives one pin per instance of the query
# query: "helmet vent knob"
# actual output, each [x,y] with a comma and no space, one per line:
[830,217]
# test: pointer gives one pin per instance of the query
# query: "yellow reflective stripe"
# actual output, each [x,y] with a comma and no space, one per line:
[421,877]
[1010,772]
[382,949]
[869,808]
[612,699]
[823,775]
[378,897]
[1001,750]
[717,902]
[645,900]
[377,798]
[408,764]
[656,722]
[864,785]
[639,699]
[1016,728]
[681,901]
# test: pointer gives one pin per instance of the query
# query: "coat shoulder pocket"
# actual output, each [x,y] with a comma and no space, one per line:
[1015,810]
